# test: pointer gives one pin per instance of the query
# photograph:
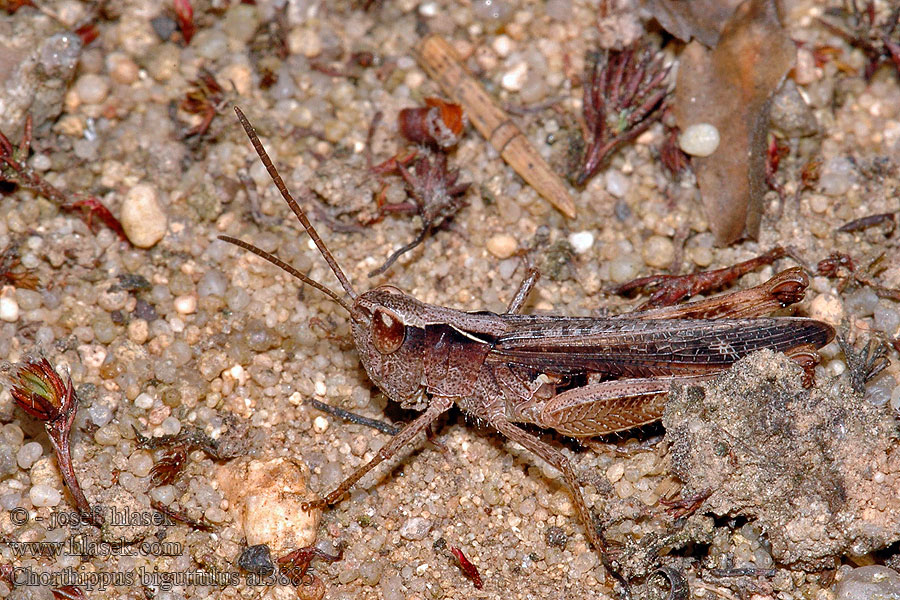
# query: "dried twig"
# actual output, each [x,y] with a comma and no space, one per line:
[442,64]
[666,290]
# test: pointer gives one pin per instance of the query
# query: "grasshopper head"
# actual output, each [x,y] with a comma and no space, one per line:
[389,334]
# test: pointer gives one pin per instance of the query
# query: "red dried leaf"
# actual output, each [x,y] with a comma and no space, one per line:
[184,14]
[94,207]
[11,6]
[468,569]
[438,123]
[68,592]
[88,33]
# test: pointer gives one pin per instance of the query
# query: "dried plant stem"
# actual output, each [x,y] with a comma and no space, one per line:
[442,64]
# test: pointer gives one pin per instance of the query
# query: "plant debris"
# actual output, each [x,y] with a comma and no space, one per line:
[624,94]
[13,273]
[295,564]
[206,98]
[38,390]
[468,569]
[693,19]
[436,196]
[730,88]
[14,169]
[438,123]
[878,39]
[666,290]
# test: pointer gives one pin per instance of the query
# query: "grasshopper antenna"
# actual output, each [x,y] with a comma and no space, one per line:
[280,263]
[301,216]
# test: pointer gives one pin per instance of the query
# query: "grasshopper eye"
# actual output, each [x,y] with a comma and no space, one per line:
[388,331]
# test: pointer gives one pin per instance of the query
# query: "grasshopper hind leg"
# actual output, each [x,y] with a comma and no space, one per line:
[555,458]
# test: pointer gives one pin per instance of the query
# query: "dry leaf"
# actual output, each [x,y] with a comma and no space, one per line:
[731,87]
[701,20]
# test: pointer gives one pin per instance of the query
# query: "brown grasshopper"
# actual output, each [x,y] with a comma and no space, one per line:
[581,376]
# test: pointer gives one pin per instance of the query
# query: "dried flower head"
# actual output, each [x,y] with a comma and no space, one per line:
[39,390]
[436,195]
[13,273]
[205,98]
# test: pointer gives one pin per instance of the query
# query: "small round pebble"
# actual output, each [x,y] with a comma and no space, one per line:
[140,463]
[617,183]
[171,426]
[9,309]
[143,219]
[828,308]
[213,283]
[186,304]
[28,454]
[868,583]
[658,252]
[701,139]
[502,245]
[624,268]
[92,89]
[514,79]
[320,424]
[138,331]
[44,495]
[581,241]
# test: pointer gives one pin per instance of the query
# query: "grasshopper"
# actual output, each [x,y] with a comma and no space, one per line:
[581,376]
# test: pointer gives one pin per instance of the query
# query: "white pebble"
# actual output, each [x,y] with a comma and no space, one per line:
[320,424]
[170,426]
[9,309]
[701,139]
[163,494]
[581,241]
[415,528]
[514,79]
[502,45]
[143,219]
[186,304]
[28,454]
[44,495]
[617,183]
[144,401]
[502,245]
[92,89]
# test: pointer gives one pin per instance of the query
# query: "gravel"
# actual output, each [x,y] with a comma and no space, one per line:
[217,339]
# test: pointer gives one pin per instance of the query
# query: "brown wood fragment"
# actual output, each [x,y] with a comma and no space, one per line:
[442,64]
[731,87]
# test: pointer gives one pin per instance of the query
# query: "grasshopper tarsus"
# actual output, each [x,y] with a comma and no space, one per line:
[580,376]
